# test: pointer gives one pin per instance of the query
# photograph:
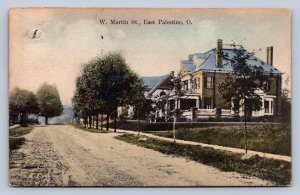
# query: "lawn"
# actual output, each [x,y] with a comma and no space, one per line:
[15,136]
[273,170]
[19,131]
[275,139]
[92,130]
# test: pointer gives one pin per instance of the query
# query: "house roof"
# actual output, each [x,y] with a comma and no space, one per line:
[153,82]
[209,63]
[188,65]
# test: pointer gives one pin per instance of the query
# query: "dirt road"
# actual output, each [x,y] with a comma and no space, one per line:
[65,156]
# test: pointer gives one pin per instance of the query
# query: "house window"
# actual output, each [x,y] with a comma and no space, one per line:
[265,85]
[267,108]
[209,81]
[271,106]
[197,80]
[185,85]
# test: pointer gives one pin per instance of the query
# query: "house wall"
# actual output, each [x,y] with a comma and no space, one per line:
[213,92]
[219,78]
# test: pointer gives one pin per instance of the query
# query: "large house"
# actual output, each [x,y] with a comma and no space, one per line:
[202,73]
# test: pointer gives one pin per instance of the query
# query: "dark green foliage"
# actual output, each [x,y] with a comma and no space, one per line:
[274,139]
[273,170]
[15,142]
[286,109]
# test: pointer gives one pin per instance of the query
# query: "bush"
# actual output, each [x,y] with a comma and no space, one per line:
[15,142]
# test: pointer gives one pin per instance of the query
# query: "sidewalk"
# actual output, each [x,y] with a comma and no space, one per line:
[234,150]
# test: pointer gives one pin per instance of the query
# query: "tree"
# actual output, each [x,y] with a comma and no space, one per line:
[107,83]
[22,102]
[142,105]
[286,111]
[240,86]
[178,92]
[49,101]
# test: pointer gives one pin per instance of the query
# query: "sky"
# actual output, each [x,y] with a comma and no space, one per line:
[68,38]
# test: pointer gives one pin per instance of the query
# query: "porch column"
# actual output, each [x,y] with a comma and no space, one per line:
[177,102]
[197,102]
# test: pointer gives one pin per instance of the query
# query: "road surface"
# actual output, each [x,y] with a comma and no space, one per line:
[60,155]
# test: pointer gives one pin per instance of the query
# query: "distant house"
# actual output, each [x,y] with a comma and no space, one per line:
[158,85]
[202,73]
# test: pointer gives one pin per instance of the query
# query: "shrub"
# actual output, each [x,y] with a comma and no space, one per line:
[15,142]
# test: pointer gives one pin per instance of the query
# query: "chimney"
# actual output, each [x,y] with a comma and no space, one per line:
[219,53]
[172,73]
[190,57]
[270,55]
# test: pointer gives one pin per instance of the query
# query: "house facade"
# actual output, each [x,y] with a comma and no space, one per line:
[202,73]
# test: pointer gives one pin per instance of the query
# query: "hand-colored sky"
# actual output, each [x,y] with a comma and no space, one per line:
[68,38]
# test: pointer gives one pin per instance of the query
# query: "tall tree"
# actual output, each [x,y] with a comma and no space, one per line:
[49,101]
[239,88]
[106,83]
[178,93]
[22,102]
[142,105]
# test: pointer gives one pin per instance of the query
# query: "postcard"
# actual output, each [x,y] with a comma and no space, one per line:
[139,97]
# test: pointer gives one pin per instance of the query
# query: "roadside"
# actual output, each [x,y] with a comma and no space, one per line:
[65,156]
[234,150]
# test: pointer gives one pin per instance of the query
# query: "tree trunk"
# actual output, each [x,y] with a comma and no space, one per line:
[115,121]
[46,120]
[93,121]
[85,122]
[139,122]
[97,120]
[90,121]
[107,122]
[174,132]
[101,121]
[245,127]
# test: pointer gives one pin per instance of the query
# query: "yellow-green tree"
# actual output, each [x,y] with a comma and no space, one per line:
[49,101]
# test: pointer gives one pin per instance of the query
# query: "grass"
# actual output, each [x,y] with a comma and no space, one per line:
[93,130]
[275,139]
[19,131]
[276,171]
[15,136]
[164,126]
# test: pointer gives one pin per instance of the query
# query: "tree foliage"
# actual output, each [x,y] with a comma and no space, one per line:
[49,101]
[106,83]
[239,88]
[22,102]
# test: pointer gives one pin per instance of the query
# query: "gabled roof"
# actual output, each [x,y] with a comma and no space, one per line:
[209,63]
[153,82]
